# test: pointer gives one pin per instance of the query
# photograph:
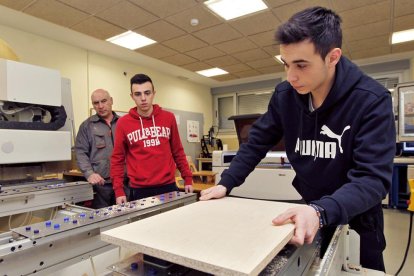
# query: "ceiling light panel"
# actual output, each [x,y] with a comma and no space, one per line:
[230,9]
[131,40]
[279,59]
[212,72]
[403,36]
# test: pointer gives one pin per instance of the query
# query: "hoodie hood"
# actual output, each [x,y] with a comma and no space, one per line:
[347,75]
[156,111]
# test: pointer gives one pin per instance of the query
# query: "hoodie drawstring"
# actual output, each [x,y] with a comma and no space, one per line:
[142,125]
[155,129]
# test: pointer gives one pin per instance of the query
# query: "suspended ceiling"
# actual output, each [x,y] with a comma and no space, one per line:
[244,47]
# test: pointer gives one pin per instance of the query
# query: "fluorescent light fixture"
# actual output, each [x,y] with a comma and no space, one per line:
[212,72]
[403,36]
[279,59]
[131,40]
[229,9]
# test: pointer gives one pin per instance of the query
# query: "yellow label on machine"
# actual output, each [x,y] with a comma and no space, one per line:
[411,200]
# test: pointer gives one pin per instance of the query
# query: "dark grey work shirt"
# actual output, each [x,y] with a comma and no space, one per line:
[94,145]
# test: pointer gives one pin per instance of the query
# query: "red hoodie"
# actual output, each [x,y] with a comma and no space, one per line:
[151,148]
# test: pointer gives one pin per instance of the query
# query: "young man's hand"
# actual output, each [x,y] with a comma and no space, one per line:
[218,191]
[189,188]
[306,223]
[121,199]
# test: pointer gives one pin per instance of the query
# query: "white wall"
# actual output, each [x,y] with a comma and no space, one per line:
[89,70]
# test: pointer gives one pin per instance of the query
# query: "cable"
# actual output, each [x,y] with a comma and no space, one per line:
[10,217]
[25,219]
[408,244]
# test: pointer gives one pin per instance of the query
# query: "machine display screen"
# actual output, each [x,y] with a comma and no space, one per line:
[243,124]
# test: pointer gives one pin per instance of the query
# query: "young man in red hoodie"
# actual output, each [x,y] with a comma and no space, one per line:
[147,139]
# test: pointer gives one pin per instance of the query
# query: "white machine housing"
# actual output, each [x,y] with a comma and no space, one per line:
[270,180]
[25,83]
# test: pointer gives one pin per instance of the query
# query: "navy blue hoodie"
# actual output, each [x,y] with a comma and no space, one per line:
[342,152]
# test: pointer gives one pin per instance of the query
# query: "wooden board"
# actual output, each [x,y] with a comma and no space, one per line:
[229,236]
[198,187]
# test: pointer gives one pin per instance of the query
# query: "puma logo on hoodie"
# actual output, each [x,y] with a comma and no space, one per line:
[321,149]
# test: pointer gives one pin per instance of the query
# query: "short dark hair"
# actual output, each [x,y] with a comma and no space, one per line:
[319,25]
[140,79]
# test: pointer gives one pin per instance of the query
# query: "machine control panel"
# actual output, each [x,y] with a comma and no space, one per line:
[29,188]
[51,227]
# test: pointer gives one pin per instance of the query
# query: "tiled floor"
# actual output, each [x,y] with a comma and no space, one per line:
[396,233]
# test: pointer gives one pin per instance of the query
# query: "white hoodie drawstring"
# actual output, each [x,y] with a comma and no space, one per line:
[155,129]
[142,126]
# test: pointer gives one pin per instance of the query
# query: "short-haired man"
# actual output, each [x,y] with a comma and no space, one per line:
[147,140]
[339,132]
[94,145]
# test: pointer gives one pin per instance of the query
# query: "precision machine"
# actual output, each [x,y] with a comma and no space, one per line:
[42,231]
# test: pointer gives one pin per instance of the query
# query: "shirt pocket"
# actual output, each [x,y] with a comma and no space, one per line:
[99,141]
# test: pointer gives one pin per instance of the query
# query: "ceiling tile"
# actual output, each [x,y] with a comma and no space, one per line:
[272,50]
[372,52]
[263,63]
[160,31]
[246,74]
[259,22]
[185,43]
[264,39]
[358,17]
[205,18]
[240,67]
[164,8]
[340,6]
[271,69]
[97,28]
[225,77]
[403,7]
[56,12]
[156,51]
[367,30]
[217,34]
[237,45]
[277,3]
[127,15]
[179,59]
[251,55]
[403,47]
[222,61]
[374,42]
[403,23]
[90,6]
[16,5]
[283,13]
[197,66]
[205,53]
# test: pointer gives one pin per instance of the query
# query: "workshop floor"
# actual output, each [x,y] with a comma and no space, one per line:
[396,234]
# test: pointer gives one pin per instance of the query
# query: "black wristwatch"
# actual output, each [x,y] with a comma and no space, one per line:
[321,214]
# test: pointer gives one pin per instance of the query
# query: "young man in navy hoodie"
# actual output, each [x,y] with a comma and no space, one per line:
[148,143]
[339,132]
